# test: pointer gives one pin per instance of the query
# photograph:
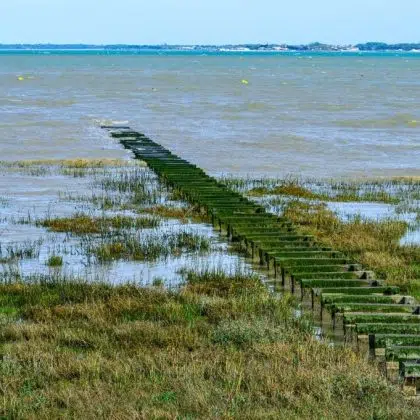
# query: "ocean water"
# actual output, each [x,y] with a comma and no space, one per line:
[318,115]
[311,115]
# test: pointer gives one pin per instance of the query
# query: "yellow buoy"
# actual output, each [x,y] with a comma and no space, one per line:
[245,82]
[20,78]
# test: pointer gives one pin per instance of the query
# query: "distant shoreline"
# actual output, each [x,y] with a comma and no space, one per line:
[313,47]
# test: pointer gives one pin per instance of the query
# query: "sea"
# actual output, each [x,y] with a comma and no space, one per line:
[244,114]
[307,114]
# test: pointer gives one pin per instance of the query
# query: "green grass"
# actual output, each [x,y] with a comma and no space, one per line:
[55,261]
[220,347]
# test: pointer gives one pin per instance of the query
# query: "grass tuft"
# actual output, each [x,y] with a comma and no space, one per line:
[130,247]
[55,261]
[83,224]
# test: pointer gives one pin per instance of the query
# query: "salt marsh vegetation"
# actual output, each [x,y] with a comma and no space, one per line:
[216,342]
[220,345]
[85,224]
[115,217]
[55,261]
[387,242]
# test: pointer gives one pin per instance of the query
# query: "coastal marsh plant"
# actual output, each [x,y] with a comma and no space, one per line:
[148,248]
[84,224]
[73,349]
[24,250]
[375,244]
[390,191]
[54,261]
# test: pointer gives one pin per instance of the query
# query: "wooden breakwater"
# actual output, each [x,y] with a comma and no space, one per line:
[372,315]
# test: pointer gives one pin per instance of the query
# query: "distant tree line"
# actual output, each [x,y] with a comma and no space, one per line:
[381,46]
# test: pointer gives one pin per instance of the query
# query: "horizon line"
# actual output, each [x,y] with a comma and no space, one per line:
[201,44]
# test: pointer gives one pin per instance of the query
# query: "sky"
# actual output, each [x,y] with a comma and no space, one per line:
[208,21]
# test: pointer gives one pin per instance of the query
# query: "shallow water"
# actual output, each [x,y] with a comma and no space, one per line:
[379,212]
[39,192]
[311,115]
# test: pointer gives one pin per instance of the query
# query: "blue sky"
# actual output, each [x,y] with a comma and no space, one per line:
[208,21]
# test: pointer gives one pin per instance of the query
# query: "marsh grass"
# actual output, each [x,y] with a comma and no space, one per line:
[71,163]
[98,163]
[150,247]
[390,191]
[78,350]
[374,244]
[217,346]
[184,213]
[84,224]
[127,188]
[133,199]
[103,200]
[128,181]
[16,251]
[349,195]
[55,261]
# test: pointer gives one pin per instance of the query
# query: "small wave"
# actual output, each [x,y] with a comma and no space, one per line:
[257,106]
[109,122]
[41,103]
[398,120]
[37,123]
[336,107]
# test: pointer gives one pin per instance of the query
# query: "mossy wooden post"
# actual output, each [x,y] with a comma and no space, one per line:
[283,276]
[261,256]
